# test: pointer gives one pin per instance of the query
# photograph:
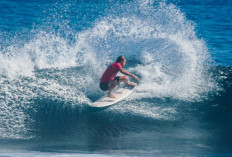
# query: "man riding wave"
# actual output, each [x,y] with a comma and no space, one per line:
[109,80]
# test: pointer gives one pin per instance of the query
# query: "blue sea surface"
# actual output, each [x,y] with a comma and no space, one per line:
[214,25]
[52,56]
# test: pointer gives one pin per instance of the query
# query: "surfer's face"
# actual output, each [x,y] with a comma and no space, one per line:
[123,63]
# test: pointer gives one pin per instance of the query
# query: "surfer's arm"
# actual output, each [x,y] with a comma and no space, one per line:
[127,73]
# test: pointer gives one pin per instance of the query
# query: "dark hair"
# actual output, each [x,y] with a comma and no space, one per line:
[120,58]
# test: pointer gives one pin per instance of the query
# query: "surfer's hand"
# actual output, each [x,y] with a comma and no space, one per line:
[136,77]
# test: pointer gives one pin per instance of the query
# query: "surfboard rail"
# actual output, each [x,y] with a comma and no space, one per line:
[121,92]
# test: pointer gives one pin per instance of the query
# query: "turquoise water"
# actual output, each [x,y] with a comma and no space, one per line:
[53,53]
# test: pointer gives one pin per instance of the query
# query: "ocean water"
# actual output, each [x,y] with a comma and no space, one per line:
[53,53]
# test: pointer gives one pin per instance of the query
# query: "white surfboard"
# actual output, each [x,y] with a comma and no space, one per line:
[120,93]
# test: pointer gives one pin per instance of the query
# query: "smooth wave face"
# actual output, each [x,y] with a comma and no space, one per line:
[50,76]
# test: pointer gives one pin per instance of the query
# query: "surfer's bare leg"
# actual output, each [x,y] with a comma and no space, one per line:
[111,85]
[125,79]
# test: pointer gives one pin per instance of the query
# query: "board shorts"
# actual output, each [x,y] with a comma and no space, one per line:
[104,86]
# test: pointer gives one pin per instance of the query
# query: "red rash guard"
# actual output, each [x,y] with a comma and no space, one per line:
[111,72]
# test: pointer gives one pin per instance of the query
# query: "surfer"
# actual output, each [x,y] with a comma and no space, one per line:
[109,81]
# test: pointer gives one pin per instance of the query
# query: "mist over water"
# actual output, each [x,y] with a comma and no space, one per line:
[58,66]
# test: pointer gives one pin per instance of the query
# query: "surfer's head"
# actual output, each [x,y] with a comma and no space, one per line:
[121,60]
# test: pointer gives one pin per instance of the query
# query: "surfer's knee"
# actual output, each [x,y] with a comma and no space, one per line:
[126,78]
[123,79]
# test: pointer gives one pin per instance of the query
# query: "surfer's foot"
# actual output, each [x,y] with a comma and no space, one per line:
[111,95]
[132,83]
